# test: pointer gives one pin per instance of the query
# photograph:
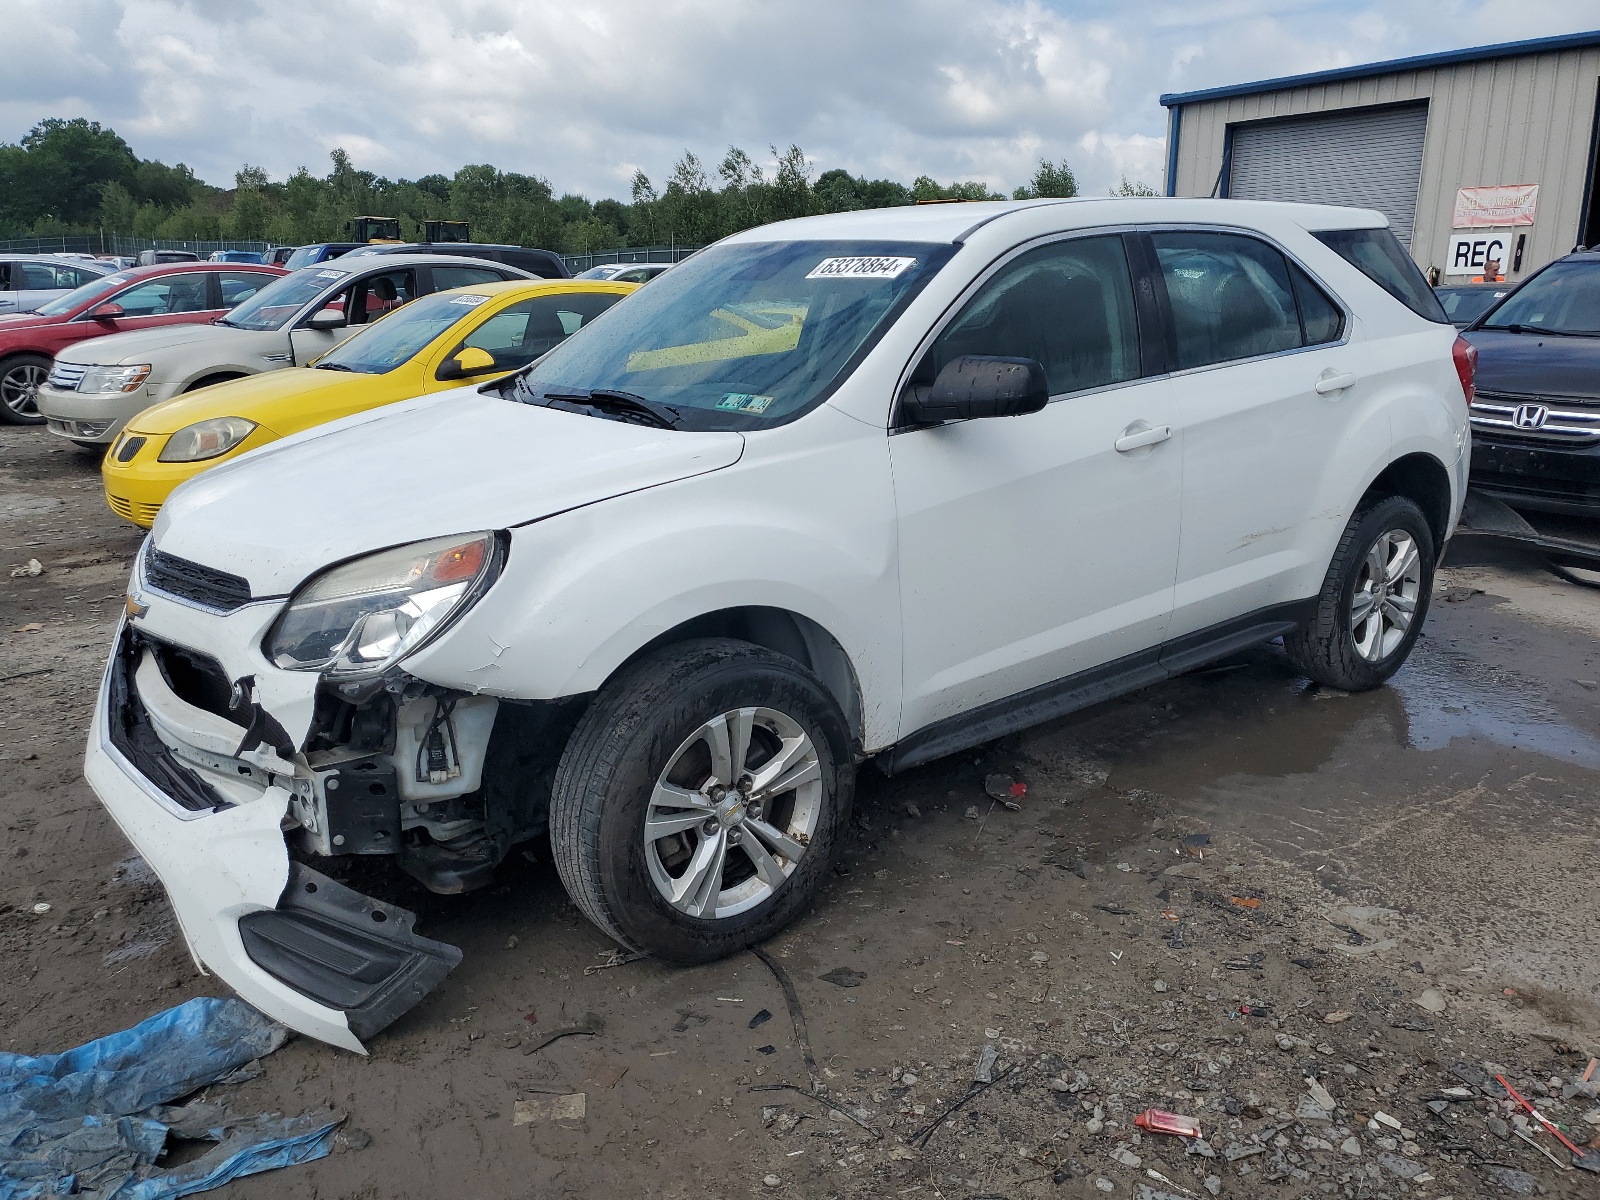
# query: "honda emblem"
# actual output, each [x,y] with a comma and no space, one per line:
[1530,416]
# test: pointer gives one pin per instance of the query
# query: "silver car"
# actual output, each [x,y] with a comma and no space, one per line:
[106,381]
[29,280]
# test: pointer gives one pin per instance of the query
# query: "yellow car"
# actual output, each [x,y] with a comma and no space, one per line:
[436,342]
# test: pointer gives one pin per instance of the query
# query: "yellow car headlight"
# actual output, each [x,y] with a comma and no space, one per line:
[206,439]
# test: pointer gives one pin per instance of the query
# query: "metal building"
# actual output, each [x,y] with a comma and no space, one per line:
[1470,153]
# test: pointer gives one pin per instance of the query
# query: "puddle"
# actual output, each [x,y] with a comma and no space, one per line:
[1449,696]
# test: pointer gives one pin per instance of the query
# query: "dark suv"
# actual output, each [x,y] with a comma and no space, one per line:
[542,263]
[1536,414]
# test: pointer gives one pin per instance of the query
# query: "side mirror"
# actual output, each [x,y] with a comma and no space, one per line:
[978,385]
[325,320]
[109,311]
[466,363]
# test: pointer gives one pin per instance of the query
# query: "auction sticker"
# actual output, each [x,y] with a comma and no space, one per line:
[469,301]
[860,268]
[332,274]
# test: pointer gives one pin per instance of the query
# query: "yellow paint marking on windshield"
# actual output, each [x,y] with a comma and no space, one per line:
[767,329]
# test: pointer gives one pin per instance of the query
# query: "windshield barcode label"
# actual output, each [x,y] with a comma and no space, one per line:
[860,268]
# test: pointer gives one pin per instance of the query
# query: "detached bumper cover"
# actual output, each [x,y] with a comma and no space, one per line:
[303,949]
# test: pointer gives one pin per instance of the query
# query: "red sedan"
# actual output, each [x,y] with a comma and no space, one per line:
[166,294]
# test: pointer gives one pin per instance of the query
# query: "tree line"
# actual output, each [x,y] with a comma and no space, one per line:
[77,176]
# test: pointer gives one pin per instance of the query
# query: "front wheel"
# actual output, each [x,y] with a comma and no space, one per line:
[21,377]
[1373,600]
[700,798]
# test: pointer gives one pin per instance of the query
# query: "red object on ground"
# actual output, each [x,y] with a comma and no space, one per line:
[1550,1126]
[1158,1120]
[1019,789]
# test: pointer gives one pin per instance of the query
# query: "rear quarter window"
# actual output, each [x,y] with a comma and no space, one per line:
[1378,255]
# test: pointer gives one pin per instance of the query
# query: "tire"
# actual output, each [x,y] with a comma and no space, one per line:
[643,740]
[209,380]
[1341,647]
[20,378]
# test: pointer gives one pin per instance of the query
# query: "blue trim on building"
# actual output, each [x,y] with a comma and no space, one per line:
[1419,62]
[1174,124]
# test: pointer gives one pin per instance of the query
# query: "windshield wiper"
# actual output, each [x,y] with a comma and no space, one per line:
[1517,327]
[333,366]
[615,405]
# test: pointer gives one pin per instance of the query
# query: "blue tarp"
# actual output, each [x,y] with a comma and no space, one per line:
[89,1121]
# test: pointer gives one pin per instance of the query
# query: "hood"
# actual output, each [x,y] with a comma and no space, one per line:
[240,398]
[453,462]
[136,345]
[16,320]
[1533,365]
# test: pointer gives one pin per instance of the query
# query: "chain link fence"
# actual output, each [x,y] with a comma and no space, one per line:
[129,247]
[111,243]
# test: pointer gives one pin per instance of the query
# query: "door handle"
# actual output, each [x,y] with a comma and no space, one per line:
[1334,383]
[1136,438]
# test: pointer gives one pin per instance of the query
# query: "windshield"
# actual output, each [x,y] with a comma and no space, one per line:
[274,305]
[746,335]
[399,336]
[92,290]
[1563,298]
[1467,304]
[304,257]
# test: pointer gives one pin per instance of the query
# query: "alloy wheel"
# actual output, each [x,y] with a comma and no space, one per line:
[733,812]
[1385,599]
[19,388]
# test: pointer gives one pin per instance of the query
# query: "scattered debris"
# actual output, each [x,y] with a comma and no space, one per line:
[30,627]
[1432,1000]
[1006,791]
[41,908]
[32,567]
[1336,1018]
[761,1018]
[570,1107]
[843,977]
[95,1119]
[591,1026]
[1158,1120]
[613,958]
[984,1072]
[1245,901]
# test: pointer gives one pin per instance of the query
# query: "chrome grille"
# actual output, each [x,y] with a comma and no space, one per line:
[65,376]
[1551,418]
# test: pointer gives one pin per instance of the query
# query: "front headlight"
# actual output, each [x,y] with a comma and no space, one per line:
[206,439]
[114,379]
[364,616]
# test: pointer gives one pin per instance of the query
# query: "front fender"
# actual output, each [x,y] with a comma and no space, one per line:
[804,523]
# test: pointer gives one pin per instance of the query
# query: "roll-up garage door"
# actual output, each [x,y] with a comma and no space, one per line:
[1371,158]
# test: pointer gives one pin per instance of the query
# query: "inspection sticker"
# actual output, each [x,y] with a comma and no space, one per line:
[860,268]
[745,402]
[332,274]
[469,301]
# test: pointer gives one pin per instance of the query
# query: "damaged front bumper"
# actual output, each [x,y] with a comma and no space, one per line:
[211,822]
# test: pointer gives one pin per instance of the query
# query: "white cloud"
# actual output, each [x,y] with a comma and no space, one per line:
[581,93]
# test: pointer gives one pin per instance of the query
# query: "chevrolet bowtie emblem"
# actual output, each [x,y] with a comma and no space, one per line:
[134,607]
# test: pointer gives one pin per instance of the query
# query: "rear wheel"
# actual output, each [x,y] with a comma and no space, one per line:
[1373,601]
[700,798]
[21,376]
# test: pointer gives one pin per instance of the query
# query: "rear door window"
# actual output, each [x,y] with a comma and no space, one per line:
[1231,297]
[445,278]
[1068,304]
[375,295]
[1378,255]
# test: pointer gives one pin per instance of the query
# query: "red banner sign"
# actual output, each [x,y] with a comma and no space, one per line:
[1498,206]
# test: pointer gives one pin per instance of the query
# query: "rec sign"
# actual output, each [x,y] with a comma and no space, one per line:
[1469,251]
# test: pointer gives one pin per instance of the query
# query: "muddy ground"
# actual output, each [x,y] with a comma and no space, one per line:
[1400,887]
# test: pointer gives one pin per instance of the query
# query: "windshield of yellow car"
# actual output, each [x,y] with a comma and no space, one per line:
[401,335]
[743,335]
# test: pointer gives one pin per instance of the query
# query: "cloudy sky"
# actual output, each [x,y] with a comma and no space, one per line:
[584,92]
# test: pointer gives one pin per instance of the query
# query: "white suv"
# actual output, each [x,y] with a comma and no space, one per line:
[882,485]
